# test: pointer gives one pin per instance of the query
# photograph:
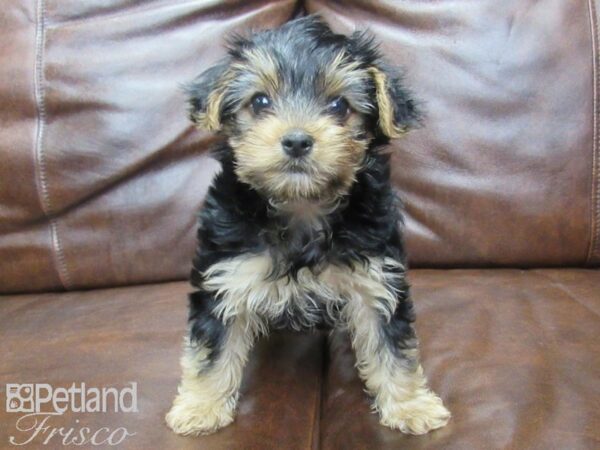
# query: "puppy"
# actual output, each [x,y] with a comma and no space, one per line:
[300,229]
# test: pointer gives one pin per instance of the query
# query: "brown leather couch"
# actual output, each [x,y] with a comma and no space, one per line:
[101,175]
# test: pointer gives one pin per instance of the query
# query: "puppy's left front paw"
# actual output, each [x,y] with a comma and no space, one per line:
[419,415]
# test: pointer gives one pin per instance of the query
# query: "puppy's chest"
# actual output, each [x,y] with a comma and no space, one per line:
[247,284]
[250,282]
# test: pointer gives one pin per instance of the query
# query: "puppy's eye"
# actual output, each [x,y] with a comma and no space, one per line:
[339,107]
[260,102]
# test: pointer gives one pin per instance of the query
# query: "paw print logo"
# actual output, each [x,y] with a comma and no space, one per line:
[19,398]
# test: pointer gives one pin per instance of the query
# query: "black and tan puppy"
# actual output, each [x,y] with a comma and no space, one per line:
[300,229]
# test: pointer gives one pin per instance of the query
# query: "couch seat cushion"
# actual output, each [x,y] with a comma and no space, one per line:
[513,353]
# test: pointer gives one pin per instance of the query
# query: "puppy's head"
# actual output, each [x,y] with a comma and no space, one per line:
[300,106]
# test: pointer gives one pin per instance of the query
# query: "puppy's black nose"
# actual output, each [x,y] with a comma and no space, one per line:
[297,143]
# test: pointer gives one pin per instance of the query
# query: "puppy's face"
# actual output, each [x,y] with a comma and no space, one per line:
[300,107]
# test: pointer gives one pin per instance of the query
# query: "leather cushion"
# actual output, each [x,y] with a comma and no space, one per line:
[505,170]
[102,173]
[115,336]
[513,353]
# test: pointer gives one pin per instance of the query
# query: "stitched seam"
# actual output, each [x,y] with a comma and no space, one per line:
[594,247]
[63,272]
[40,161]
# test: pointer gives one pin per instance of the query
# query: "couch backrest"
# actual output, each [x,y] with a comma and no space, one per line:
[101,174]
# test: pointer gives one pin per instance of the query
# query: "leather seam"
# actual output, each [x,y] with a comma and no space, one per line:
[40,161]
[566,291]
[594,246]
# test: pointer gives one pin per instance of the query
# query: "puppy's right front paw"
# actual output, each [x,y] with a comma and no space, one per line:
[420,415]
[190,417]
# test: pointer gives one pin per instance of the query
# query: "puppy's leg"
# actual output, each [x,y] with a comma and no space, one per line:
[212,364]
[379,318]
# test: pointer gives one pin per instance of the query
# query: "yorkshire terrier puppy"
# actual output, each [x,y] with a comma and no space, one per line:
[300,229]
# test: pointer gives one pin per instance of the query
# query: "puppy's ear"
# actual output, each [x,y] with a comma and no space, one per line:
[396,108]
[397,111]
[206,96]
